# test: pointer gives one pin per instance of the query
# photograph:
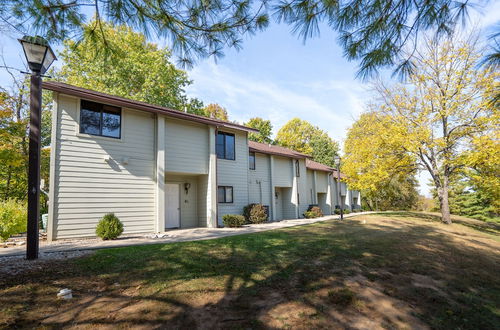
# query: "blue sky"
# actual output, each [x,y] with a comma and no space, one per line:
[278,77]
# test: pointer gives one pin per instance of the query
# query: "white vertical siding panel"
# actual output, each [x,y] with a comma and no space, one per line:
[321,182]
[283,172]
[234,173]
[203,192]
[310,187]
[260,192]
[186,147]
[86,187]
[289,210]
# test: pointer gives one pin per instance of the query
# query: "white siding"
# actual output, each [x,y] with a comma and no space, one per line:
[259,185]
[234,173]
[322,203]
[310,188]
[303,188]
[283,172]
[189,201]
[186,147]
[321,182]
[288,206]
[343,188]
[87,187]
[203,191]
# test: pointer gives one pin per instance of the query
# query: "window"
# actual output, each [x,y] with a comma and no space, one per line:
[100,119]
[225,194]
[225,146]
[297,168]
[251,160]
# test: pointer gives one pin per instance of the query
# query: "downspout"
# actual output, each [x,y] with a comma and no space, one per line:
[260,191]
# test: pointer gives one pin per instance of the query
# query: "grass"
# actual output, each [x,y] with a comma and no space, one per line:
[390,270]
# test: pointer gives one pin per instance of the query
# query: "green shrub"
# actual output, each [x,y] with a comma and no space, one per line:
[313,212]
[309,215]
[233,220]
[13,218]
[110,227]
[255,213]
[346,211]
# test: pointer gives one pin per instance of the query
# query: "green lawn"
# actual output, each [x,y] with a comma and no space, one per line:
[397,270]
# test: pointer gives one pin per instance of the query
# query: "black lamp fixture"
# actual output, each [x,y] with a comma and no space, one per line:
[39,56]
[336,161]
[38,52]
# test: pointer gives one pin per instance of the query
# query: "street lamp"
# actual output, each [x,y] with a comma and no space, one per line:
[336,161]
[39,56]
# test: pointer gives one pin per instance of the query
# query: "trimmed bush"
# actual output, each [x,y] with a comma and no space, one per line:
[255,213]
[233,220]
[110,227]
[13,218]
[313,212]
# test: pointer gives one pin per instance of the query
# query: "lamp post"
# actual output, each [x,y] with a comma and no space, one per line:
[39,56]
[336,161]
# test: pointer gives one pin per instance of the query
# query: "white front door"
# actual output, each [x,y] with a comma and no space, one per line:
[173,209]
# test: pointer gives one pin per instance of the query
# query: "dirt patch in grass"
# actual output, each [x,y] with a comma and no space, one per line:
[373,271]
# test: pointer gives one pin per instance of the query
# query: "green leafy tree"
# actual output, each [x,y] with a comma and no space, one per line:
[215,111]
[398,192]
[431,121]
[265,130]
[472,201]
[121,62]
[374,32]
[302,136]
[14,123]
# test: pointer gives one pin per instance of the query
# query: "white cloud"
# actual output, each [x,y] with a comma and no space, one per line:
[331,105]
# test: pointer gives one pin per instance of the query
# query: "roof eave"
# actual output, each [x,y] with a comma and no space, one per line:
[137,105]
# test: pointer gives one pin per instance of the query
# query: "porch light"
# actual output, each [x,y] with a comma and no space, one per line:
[39,54]
[187,185]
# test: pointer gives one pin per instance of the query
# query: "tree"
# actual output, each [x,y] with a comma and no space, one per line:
[14,123]
[430,120]
[483,158]
[373,164]
[265,130]
[215,111]
[372,153]
[130,67]
[374,32]
[303,137]
[472,201]
[13,146]
[398,192]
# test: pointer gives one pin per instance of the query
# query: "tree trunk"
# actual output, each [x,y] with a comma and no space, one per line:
[444,204]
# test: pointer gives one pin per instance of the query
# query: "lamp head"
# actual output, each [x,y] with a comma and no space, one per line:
[38,52]
[336,160]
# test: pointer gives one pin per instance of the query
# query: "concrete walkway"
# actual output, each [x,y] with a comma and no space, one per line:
[176,235]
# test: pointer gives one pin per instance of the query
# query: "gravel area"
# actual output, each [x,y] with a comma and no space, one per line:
[13,265]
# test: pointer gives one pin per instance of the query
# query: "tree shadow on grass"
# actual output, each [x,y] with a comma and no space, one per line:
[331,274]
